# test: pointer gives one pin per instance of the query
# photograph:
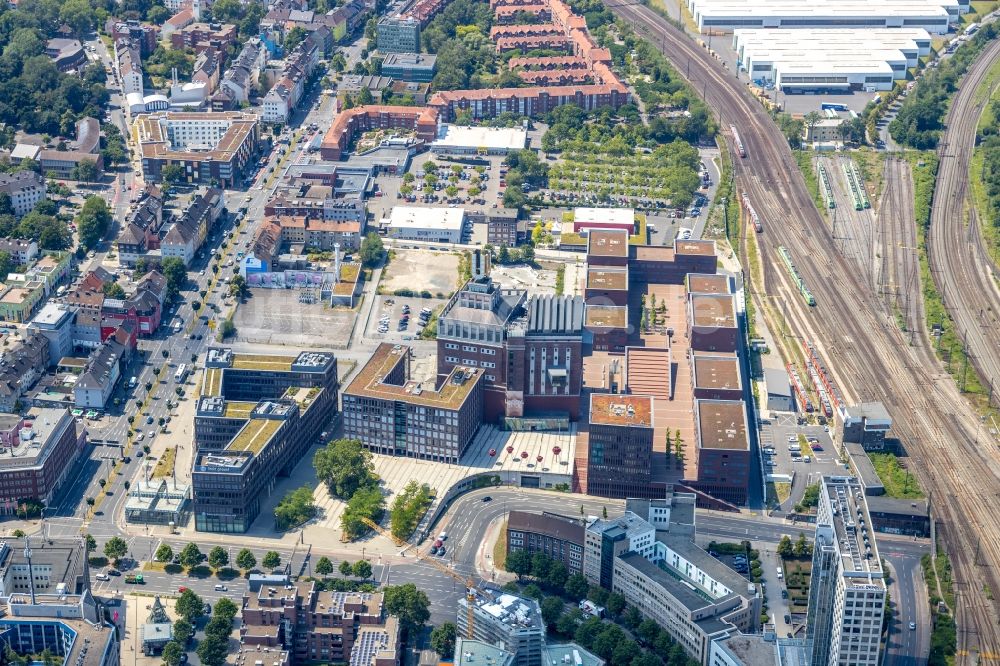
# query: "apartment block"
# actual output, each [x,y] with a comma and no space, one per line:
[350,122]
[395,415]
[559,537]
[25,189]
[847,595]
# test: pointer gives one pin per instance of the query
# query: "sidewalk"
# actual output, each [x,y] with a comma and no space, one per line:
[485,567]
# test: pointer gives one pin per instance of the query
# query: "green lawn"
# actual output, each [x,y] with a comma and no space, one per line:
[897,481]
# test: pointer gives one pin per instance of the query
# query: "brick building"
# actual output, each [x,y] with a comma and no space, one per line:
[559,537]
[620,449]
[350,122]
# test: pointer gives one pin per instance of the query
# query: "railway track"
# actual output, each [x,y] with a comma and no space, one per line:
[958,260]
[854,330]
[899,279]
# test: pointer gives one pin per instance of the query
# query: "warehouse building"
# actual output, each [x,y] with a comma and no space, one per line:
[815,59]
[436,225]
[724,15]
[458,140]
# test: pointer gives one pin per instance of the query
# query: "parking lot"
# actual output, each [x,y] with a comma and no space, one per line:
[277,316]
[782,436]
[421,270]
[397,319]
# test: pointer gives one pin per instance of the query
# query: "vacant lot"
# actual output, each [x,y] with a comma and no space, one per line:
[422,270]
[275,316]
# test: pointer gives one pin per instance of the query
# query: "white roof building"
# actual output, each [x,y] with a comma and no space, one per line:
[437,225]
[585,219]
[931,15]
[455,139]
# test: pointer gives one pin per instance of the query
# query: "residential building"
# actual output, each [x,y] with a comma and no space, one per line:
[419,67]
[350,122]
[18,303]
[186,236]
[319,235]
[140,231]
[397,34]
[21,251]
[529,348]
[128,63]
[86,147]
[100,377]
[559,537]
[436,225]
[52,268]
[390,413]
[511,622]
[22,365]
[353,84]
[212,148]
[202,36]
[54,322]
[241,78]
[847,592]
[25,189]
[286,93]
[67,54]
[321,626]
[256,418]
[144,35]
[620,445]
[419,92]
[607,539]
[335,199]
[206,71]
[41,451]
[723,449]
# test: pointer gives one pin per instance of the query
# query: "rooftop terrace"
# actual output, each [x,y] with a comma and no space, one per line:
[254,435]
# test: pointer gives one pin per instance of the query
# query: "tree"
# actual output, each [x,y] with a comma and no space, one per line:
[503,255]
[175,272]
[568,621]
[172,653]
[345,568]
[648,630]
[811,120]
[537,233]
[164,553]
[219,627]
[576,587]
[190,606]
[294,37]
[408,603]
[552,609]
[362,569]
[114,290]
[92,221]
[608,640]
[91,543]
[238,286]
[218,557]
[408,508]
[785,547]
[172,174]
[183,631]
[632,617]
[245,559]
[225,607]
[371,249]
[324,567]
[625,652]
[295,508]
[443,639]
[115,548]
[615,604]
[366,504]
[345,466]
[272,560]
[6,205]
[212,651]
[540,563]
[519,563]
[86,170]
[801,548]
[556,576]
[191,555]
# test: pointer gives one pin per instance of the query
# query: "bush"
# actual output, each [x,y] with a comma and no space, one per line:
[408,508]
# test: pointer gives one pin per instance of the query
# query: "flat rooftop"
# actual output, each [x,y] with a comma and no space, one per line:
[695,247]
[414,217]
[254,435]
[495,138]
[713,310]
[845,496]
[817,9]
[238,410]
[717,371]
[619,217]
[409,60]
[702,283]
[607,316]
[607,277]
[370,381]
[211,382]
[608,243]
[621,410]
[722,424]
[270,362]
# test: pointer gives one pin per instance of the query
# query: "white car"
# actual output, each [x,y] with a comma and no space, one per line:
[140,436]
[103,576]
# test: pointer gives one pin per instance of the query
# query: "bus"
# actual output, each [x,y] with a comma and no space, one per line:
[181,373]
[836,106]
[972,29]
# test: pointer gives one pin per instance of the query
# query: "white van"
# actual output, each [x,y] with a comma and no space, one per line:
[780,575]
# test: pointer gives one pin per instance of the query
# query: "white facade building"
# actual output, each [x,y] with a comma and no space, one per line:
[436,225]
[25,189]
[847,592]
[725,15]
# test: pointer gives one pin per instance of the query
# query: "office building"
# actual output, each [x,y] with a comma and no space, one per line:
[40,451]
[256,418]
[391,413]
[397,34]
[25,189]
[723,449]
[54,322]
[208,146]
[712,323]
[508,621]
[847,591]
[419,67]
[319,626]
[529,348]
[468,650]
[620,445]
[607,539]
[559,537]
[436,225]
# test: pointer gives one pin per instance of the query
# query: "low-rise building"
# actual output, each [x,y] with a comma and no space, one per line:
[140,232]
[128,64]
[86,148]
[25,189]
[202,36]
[419,67]
[67,54]
[98,381]
[54,322]
[392,414]
[867,424]
[436,225]
[460,140]
[559,537]
[22,251]
[158,501]
[186,236]
[18,303]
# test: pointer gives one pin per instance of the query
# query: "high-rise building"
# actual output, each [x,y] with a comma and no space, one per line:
[620,445]
[512,622]
[847,591]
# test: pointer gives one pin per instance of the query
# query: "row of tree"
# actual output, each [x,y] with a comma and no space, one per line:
[217,558]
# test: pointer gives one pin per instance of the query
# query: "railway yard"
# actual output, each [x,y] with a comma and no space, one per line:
[855,328]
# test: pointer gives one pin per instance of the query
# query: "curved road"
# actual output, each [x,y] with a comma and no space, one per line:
[857,334]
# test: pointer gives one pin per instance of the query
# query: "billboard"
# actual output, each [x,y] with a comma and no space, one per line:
[290,279]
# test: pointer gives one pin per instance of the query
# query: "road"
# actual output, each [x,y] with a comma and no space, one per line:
[869,356]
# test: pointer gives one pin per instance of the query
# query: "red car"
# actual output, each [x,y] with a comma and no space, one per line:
[182,589]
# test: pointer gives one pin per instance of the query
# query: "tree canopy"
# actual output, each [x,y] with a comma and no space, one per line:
[295,508]
[345,465]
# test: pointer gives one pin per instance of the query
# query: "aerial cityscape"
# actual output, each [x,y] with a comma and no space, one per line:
[499,332]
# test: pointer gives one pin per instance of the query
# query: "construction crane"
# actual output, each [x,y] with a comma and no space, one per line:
[471,589]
